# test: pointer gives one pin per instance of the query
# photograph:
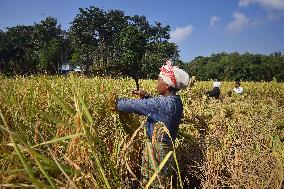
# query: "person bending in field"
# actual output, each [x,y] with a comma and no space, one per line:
[215,92]
[238,89]
[166,108]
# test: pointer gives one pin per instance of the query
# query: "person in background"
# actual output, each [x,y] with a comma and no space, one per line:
[215,92]
[238,89]
[166,108]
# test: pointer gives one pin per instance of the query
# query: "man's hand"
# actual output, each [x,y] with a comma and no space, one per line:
[140,93]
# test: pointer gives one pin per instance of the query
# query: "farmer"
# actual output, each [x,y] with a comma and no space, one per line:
[215,92]
[238,89]
[166,108]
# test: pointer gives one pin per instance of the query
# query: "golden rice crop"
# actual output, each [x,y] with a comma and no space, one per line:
[63,132]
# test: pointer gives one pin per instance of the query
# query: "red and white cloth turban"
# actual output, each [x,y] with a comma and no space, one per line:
[173,76]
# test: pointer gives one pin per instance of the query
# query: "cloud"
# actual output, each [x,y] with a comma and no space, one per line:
[273,4]
[244,3]
[239,23]
[269,4]
[181,33]
[213,20]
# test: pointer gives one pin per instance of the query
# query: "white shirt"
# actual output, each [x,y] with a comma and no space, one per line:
[217,84]
[239,90]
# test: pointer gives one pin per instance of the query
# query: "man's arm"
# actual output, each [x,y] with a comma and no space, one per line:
[146,107]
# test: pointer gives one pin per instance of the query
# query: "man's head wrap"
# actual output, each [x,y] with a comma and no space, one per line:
[173,76]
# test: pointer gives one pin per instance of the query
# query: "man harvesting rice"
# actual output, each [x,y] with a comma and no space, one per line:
[215,92]
[166,108]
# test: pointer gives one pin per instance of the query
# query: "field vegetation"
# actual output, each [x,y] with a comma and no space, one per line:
[62,132]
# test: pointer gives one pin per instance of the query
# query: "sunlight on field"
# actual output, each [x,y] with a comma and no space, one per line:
[63,132]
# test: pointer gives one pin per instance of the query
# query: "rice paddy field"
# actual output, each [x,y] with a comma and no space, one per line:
[63,132]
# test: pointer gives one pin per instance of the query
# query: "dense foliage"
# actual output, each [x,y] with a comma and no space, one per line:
[234,66]
[102,42]
[112,43]
[33,49]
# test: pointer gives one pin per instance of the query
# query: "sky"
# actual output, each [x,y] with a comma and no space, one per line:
[198,27]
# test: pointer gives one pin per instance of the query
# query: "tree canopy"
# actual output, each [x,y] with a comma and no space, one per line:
[234,66]
[103,42]
[112,43]
[33,49]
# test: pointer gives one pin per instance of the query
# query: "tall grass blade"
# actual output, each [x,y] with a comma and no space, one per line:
[89,136]
[51,163]
[84,107]
[58,99]
[51,117]
[17,186]
[44,173]
[27,168]
[22,158]
[58,164]
[59,139]
[160,167]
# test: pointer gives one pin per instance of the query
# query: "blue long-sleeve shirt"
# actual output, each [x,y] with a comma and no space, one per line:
[166,109]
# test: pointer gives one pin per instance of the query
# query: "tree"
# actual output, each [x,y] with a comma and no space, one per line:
[48,39]
[86,35]
[3,51]
[158,49]
[96,42]
[16,54]
[249,67]
[133,43]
